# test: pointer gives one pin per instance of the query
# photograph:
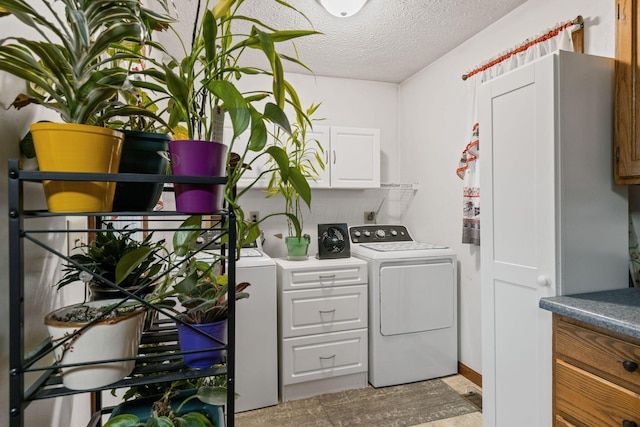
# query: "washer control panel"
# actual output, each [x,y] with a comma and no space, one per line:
[379,233]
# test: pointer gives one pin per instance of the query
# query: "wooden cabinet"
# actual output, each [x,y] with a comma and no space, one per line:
[553,223]
[322,322]
[596,376]
[627,98]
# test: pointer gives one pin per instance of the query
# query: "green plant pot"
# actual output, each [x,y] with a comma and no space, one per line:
[297,248]
[141,153]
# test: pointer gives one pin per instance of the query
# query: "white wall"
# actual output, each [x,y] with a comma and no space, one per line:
[345,102]
[433,109]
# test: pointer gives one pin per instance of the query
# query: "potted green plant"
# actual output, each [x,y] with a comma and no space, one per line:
[146,140]
[202,290]
[197,408]
[78,334]
[66,70]
[115,260]
[303,157]
[202,89]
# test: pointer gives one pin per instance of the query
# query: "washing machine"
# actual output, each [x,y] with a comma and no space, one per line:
[256,371]
[413,327]
[256,332]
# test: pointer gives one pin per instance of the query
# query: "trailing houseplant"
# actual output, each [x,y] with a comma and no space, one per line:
[66,70]
[304,159]
[202,289]
[116,258]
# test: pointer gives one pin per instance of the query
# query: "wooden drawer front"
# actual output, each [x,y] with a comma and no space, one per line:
[600,351]
[593,401]
[348,274]
[323,356]
[561,422]
[315,311]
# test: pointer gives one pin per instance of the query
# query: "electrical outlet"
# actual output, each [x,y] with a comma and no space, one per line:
[369,217]
[254,216]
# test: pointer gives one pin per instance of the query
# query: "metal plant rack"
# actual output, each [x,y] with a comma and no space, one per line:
[159,359]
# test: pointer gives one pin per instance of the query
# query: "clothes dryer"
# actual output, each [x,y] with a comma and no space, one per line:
[413,328]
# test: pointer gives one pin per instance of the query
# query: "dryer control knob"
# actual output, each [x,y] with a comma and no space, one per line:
[357,233]
[367,233]
[394,233]
[380,233]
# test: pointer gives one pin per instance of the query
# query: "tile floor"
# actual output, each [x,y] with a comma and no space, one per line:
[312,414]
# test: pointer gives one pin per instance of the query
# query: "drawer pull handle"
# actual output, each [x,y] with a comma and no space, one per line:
[327,276]
[630,366]
[327,311]
[628,423]
[333,356]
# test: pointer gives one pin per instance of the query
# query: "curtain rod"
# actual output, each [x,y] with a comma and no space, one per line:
[552,33]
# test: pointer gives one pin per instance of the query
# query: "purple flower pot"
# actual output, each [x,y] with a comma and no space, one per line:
[191,340]
[198,158]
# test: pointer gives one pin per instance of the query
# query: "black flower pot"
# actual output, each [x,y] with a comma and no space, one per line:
[141,153]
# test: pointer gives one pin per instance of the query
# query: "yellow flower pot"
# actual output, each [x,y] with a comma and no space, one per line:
[68,147]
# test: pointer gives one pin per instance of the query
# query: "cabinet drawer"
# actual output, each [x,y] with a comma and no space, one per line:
[604,353]
[561,422]
[348,273]
[323,356]
[315,311]
[591,400]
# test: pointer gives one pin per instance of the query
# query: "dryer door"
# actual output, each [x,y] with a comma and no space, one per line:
[416,297]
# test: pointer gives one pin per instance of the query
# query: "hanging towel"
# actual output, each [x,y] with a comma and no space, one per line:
[469,171]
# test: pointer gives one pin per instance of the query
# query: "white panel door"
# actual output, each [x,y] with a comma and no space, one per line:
[518,245]
[355,157]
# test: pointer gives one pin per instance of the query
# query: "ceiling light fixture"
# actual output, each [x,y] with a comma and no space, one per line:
[342,8]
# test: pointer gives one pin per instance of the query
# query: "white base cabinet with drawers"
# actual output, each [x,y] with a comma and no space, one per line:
[322,323]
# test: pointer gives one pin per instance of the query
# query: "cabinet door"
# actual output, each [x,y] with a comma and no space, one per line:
[258,165]
[323,135]
[517,115]
[355,157]
[626,132]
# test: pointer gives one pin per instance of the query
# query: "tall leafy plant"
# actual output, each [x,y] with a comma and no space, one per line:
[66,68]
[302,156]
[204,81]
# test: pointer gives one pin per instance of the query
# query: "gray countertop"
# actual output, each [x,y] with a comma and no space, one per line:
[617,310]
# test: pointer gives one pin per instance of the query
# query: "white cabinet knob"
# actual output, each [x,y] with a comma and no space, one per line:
[543,281]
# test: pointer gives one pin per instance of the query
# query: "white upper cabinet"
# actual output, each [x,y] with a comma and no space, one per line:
[351,157]
[355,157]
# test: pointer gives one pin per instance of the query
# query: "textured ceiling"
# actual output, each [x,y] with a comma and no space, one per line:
[388,40]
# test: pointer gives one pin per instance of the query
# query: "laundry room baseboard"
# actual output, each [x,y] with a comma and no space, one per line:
[470,374]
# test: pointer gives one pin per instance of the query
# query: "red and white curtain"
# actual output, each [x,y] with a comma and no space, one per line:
[469,166]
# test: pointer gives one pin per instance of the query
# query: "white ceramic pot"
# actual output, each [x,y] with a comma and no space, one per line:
[114,338]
